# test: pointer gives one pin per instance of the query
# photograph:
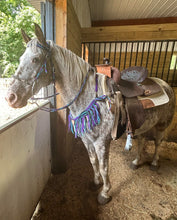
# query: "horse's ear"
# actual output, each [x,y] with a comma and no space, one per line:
[26,38]
[39,34]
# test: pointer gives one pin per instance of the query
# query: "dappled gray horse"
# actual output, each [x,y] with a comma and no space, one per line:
[90,117]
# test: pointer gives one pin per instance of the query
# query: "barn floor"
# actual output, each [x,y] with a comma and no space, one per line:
[137,194]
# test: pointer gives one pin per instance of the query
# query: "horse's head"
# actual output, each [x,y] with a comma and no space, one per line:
[33,72]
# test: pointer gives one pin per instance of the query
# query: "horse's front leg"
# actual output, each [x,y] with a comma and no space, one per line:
[102,154]
[94,161]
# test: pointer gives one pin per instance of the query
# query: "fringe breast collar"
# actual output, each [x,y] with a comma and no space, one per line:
[88,119]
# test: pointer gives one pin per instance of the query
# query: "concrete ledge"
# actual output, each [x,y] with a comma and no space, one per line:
[10,123]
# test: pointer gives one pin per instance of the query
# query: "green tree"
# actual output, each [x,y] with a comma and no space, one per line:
[14,15]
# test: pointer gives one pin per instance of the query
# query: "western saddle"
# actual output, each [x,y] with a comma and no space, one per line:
[131,82]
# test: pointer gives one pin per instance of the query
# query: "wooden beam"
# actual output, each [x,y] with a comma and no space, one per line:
[62,140]
[68,34]
[165,20]
[130,32]
[61,22]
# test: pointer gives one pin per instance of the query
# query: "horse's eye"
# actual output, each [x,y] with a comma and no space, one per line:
[35,60]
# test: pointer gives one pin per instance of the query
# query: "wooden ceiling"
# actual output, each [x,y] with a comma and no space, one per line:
[131,9]
[124,12]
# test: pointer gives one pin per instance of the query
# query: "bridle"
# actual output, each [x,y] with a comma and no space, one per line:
[43,69]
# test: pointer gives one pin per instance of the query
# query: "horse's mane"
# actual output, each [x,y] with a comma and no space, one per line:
[75,66]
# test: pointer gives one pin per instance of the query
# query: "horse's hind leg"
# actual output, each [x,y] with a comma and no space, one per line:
[141,146]
[102,155]
[158,140]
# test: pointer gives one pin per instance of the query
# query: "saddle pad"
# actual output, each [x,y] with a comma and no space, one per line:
[150,87]
[157,99]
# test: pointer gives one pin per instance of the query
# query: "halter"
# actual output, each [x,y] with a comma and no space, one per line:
[44,69]
[41,70]
[91,113]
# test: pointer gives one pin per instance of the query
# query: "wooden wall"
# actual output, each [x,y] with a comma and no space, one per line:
[82,9]
[68,29]
[73,30]
[134,32]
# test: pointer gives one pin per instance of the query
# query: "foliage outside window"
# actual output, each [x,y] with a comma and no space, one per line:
[14,15]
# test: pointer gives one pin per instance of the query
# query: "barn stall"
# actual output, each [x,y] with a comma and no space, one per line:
[129,33]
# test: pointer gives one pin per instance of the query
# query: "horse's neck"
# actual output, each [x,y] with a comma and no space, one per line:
[70,73]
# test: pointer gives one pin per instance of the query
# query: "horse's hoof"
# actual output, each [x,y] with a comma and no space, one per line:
[103,200]
[134,166]
[154,168]
[94,187]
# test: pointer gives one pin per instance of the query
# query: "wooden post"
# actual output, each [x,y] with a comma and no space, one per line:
[62,140]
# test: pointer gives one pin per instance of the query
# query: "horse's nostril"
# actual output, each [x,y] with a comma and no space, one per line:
[11,98]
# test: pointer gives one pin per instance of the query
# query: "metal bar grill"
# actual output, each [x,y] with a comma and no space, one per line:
[174,73]
[115,53]
[161,43]
[171,56]
[99,54]
[136,53]
[147,60]
[154,52]
[156,56]
[166,50]
[120,54]
[130,63]
[142,54]
[125,55]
